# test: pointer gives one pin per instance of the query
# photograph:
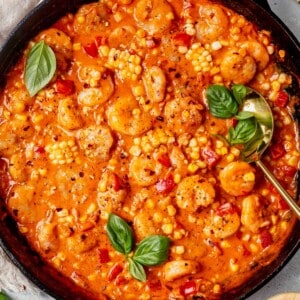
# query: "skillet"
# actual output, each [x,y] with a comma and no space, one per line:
[16,247]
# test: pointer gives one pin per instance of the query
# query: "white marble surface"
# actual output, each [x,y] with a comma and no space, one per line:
[19,288]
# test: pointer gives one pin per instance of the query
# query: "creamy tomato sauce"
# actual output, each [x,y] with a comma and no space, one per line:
[123,127]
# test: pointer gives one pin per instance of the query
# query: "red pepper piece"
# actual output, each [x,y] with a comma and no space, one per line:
[40,150]
[103,255]
[65,87]
[266,238]
[282,99]
[188,288]
[210,156]
[114,272]
[116,183]
[277,151]
[91,49]
[154,284]
[165,185]
[182,39]
[121,280]
[165,160]
[100,41]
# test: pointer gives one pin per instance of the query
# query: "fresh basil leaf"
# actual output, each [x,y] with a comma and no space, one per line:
[120,234]
[243,132]
[243,115]
[40,67]
[137,270]
[254,145]
[152,251]
[3,296]
[239,92]
[220,101]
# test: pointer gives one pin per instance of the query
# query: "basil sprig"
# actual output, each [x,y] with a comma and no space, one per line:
[40,67]
[221,102]
[120,234]
[151,251]
[224,103]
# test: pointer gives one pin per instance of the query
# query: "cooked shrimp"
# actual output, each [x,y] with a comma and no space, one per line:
[179,268]
[17,166]
[126,32]
[111,195]
[237,178]
[144,170]
[238,68]
[47,235]
[90,75]
[83,242]
[258,52]
[183,115]
[67,114]
[127,117]
[154,80]
[8,140]
[250,215]
[193,192]
[61,44]
[222,226]
[153,16]
[96,142]
[213,22]
[97,95]
[144,225]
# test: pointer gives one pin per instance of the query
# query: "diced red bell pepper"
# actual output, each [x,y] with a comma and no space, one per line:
[188,288]
[120,280]
[210,156]
[91,49]
[154,284]
[266,238]
[65,87]
[225,209]
[116,182]
[282,204]
[277,151]
[164,159]
[182,39]
[165,185]
[100,41]
[114,272]
[103,255]
[282,99]
[39,150]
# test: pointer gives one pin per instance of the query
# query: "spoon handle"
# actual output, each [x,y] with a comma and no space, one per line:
[285,195]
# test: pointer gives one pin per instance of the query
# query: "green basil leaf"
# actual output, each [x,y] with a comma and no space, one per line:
[220,101]
[137,270]
[152,251]
[120,234]
[243,115]
[239,92]
[254,145]
[3,296]
[40,67]
[243,132]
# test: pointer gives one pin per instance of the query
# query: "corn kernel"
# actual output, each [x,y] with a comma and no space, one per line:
[150,204]
[192,167]
[157,217]
[80,19]
[76,46]
[167,228]
[171,210]
[217,288]
[225,244]
[179,249]
[250,176]
[177,178]
[275,85]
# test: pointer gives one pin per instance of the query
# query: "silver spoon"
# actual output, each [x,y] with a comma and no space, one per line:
[258,105]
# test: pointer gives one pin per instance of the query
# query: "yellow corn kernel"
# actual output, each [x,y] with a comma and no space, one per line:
[92,208]
[76,46]
[167,228]
[23,229]
[102,186]
[281,53]
[275,85]
[179,249]
[230,157]
[92,277]
[192,167]
[177,178]
[170,16]
[195,155]
[138,91]
[250,176]
[293,161]
[141,33]
[225,244]
[81,19]
[233,266]
[217,288]
[171,210]
[284,225]
[150,203]
[253,248]
[157,217]
[21,117]
[118,17]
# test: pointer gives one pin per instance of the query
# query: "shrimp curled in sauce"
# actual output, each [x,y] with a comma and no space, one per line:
[237,178]
[155,84]
[179,268]
[250,215]
[237,67]
[153,16]
[97,95]
[213,22]
[144,170]
[222,226]
[192,193]
[143,224]
[127,117]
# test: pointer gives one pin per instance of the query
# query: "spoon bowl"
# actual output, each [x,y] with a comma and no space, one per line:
[259,107]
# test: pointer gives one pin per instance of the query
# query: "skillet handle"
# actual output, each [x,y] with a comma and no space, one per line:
[264,4]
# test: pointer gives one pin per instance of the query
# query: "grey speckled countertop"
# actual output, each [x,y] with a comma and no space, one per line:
[287,280]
